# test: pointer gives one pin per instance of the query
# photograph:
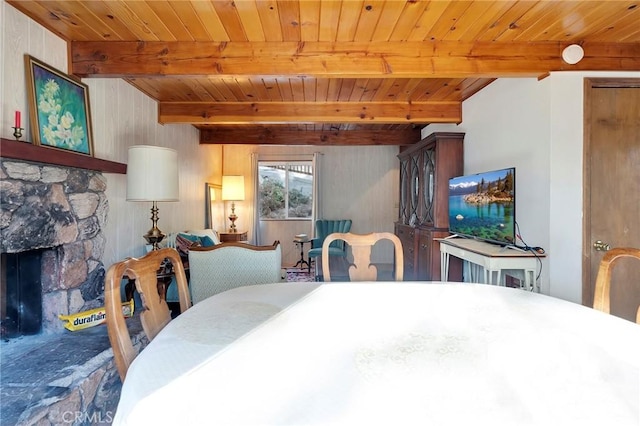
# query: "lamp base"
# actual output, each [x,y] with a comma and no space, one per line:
[232,218]
[154,235]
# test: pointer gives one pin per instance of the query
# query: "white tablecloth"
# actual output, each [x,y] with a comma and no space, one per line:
[387,353]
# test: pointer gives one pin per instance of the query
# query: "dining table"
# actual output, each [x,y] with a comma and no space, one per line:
[386,353]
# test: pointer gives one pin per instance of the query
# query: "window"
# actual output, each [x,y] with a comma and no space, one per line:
[285,190]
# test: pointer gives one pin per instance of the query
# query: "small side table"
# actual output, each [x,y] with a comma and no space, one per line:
[226,237]
[493,260]
[302,260]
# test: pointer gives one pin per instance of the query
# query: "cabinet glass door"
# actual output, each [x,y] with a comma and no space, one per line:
[405,190]
[415,190]
[428,186]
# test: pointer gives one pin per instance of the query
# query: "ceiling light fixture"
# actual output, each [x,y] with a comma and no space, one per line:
[573,54]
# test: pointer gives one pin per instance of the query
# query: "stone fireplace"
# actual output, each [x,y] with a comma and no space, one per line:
[62,210]
[53,208]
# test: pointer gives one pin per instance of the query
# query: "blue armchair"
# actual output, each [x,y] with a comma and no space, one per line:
[325,227]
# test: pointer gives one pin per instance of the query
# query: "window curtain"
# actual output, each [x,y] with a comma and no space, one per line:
[317,191]
[255,226]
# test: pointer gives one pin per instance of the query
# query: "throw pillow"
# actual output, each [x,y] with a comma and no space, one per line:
[185,241]
[206,233]
[207,241]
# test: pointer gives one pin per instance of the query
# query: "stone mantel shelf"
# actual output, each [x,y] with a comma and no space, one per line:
[29,152]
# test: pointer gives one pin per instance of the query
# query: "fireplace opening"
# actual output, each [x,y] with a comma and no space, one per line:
[21,293]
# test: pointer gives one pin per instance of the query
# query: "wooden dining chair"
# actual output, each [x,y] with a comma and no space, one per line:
[362,269]
[601,300]
[155,314]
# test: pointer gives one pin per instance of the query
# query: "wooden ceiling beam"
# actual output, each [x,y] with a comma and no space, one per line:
[442,59]
[254,135]
[309,112]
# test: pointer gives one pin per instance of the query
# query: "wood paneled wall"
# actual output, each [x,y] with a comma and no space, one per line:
[121,116]
[358,183]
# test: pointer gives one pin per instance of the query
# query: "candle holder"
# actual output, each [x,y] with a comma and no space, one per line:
[17,132]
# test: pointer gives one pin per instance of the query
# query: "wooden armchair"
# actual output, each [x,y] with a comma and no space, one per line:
[362,269]
[601,300]
[230,265]
[155,314]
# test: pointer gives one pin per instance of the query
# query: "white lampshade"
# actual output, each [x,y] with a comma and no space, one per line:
[152,174]
[232,188]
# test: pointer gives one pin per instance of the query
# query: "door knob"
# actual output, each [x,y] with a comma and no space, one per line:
[600,246]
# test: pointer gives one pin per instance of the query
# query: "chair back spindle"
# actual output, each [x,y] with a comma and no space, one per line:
[155,313]
[362,269]
[601,297]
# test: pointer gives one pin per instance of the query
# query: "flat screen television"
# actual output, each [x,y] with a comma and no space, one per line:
[483,206]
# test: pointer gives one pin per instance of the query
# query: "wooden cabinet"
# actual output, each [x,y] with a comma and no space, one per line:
[428,258]
[425,170]
[422,253]
[407,234]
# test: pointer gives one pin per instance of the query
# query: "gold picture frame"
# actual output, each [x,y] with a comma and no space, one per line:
[59,109]
[213,207]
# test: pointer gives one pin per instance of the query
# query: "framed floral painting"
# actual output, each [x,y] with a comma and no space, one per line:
[58,108]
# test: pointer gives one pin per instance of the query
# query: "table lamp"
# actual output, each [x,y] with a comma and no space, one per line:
[152,175]
[233,190]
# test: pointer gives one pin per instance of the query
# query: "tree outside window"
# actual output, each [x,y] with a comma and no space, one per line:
[285,190]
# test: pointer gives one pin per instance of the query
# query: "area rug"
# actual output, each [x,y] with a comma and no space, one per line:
[299,275]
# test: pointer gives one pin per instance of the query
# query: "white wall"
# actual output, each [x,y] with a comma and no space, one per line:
[122,116]
[567,136]
[536,126]
[507,125]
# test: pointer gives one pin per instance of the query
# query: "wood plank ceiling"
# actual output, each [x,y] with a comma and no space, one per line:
[330,72]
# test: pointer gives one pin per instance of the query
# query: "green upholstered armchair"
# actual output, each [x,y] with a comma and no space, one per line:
[325,227]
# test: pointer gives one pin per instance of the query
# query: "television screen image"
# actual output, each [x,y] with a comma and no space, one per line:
[483,206]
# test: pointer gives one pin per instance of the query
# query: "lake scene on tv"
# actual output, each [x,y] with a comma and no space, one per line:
[482,206]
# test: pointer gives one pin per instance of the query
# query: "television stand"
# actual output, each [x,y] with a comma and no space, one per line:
[492,258]
[452,236]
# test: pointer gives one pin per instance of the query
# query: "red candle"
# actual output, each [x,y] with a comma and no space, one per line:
[17,119]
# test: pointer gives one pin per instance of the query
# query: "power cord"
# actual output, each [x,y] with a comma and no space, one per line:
[536,251]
